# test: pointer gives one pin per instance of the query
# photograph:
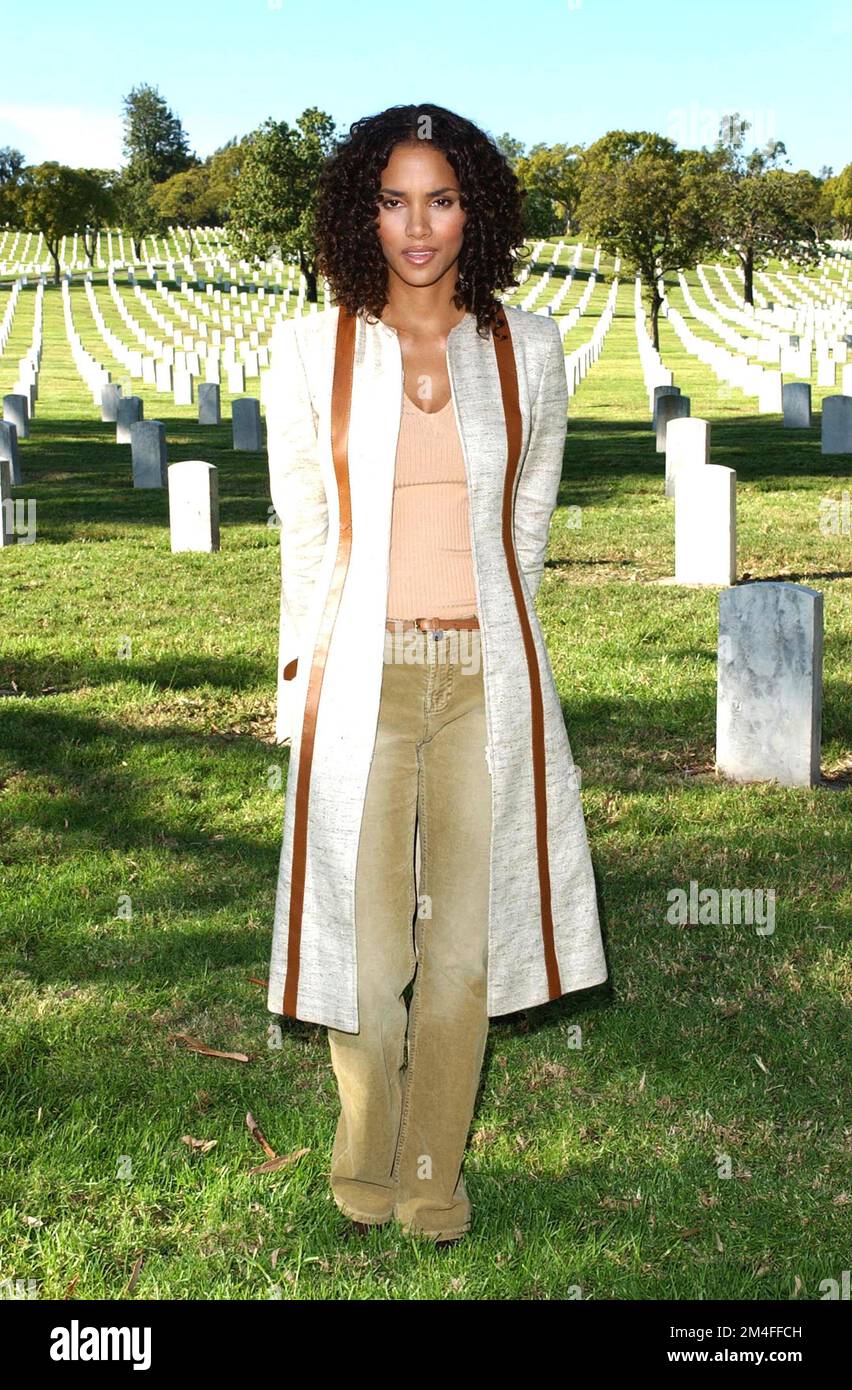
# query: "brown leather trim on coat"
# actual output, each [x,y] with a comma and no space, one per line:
[511,408]
[341,398]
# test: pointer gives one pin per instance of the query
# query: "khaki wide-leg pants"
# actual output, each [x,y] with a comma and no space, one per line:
[407,1101]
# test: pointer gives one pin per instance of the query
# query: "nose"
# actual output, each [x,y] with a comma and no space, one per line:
[418,225]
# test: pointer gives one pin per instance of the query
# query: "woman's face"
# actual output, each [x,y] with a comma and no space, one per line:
[419,206]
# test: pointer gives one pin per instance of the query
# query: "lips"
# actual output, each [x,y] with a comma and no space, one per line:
[419,257]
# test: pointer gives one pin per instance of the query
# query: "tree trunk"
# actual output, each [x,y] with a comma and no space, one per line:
[748,267]
[310,275]
[656,304]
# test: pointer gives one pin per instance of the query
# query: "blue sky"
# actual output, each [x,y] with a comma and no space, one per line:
[549,70]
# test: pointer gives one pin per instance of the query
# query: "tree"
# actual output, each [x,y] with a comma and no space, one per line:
[272,206]
[654,204]
[185,201]
[154,140]
[134,192]
[99,206]
[226,166]
[52,199]
[552,176]
[816,200]
[838,193]
[11,164]
[510,147]
[765,209]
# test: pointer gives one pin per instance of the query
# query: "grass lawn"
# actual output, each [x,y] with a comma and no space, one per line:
[681,1133]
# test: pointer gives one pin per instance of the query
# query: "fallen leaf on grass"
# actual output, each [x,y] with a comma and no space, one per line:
[134,1274]
[274,1163]
[196,1045]
[203,1145]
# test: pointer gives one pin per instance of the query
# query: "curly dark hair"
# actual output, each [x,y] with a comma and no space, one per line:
[349,252]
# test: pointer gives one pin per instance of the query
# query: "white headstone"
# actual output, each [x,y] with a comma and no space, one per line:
[669,408]
[194,505]
[837,425]
[687,441]
[9,450]
[148,453]
[209,405]
[130,409]
[706,524]
[797,404]
[16,413]
[769,683]
[246,424]
[8,535]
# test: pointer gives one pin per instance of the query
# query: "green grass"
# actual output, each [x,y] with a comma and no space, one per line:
[140,825]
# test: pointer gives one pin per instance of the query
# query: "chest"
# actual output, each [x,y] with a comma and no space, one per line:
[426,378]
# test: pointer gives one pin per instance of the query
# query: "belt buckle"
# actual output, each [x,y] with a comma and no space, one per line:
[436,631]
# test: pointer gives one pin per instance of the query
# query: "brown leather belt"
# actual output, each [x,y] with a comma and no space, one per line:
[430,624]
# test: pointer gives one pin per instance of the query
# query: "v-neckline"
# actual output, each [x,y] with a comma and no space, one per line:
[427,413]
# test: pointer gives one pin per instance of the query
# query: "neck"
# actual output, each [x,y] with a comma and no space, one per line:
[424,311]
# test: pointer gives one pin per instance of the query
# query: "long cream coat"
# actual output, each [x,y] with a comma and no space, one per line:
[544,933]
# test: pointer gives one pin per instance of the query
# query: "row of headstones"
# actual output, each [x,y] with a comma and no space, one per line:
[193,495]
[735,368]
[160,373]
[828,337]
[199,328]
[705,494]
[29,365]
[148,442]
[831,344]
[823,311]
[815,326]
[582,358]
[835,420]
[774,395]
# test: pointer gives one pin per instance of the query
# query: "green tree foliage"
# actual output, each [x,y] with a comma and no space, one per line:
[837,192]
[154,139]
[155,149]
[56,201]
[656,205]
[134,193]
[11,164]
[226,166]
[185,201]
[273,202]
[766,211]
[551,176]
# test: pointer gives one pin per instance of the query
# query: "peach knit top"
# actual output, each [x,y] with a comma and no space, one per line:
[431,566]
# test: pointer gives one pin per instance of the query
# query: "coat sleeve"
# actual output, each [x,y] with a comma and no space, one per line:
[295,483]
[535,496]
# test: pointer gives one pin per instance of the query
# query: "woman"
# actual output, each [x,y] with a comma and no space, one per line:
[415,448]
